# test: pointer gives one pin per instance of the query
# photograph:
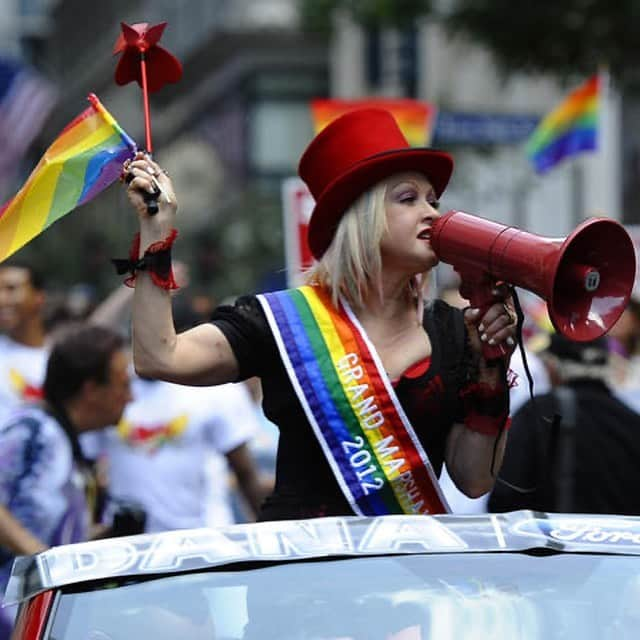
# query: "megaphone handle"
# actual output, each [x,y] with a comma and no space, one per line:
[493,352]
[478,290]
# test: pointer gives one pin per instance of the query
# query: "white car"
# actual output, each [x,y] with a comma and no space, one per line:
[513,576]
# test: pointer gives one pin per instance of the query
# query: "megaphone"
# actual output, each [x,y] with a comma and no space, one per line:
[585,278]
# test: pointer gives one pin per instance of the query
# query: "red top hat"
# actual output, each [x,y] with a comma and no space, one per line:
[353,153]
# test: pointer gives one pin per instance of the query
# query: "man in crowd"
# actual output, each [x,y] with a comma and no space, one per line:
[45,482]
[168,454]
[623,340]
[23,352]
[172,451]
[585,462]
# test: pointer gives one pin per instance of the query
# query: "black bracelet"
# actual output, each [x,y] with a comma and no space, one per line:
[159,262]
[156,260]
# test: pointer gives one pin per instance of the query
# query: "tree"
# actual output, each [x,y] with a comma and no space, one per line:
[316,14]
[563,38]
[572,37]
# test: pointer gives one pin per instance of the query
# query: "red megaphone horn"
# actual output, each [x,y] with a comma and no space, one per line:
[585,278]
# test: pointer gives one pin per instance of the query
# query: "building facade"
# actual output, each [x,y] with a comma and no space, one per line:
[233,128]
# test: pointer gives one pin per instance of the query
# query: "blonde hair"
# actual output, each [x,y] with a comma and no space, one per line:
[352,265]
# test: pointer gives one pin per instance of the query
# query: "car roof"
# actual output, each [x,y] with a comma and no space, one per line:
[186,550]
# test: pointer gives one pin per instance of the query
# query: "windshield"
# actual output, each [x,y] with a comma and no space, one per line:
[410,597]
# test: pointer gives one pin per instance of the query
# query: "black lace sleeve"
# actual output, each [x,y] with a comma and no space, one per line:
[247,330]
[448,328]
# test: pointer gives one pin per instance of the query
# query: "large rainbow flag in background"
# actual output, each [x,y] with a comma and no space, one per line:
[84,160]
[415,118]
[569,129]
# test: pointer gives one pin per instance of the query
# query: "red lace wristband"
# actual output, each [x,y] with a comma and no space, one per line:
[484,399]
[156,260]
[487,425]
[482,391]
[486,408]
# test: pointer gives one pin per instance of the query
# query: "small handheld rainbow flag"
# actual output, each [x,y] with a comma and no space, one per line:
[82,161]
[569,129]
[415,118]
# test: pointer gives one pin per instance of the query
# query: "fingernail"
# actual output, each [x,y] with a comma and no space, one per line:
[492,341]
[483,337]
[510,341]
[474,312]
[481,327]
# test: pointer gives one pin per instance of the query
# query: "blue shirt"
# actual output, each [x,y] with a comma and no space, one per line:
[40,483]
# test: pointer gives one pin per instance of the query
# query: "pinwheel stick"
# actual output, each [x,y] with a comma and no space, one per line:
[145,102]
[150,198]
[144,61]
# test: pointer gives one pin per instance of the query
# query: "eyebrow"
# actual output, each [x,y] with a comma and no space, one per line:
[413,184]
[404,184]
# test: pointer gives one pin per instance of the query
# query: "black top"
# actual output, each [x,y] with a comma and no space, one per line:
[305,485]
[606,450]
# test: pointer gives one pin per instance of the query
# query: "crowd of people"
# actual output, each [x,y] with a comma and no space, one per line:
[376,390]
[88,449]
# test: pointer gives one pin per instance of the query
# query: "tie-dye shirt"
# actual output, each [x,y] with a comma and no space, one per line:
[40,484]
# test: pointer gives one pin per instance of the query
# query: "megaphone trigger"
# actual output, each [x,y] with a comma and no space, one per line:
[585,278]
[483,292]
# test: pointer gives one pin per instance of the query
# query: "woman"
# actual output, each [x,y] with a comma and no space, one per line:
[371,390]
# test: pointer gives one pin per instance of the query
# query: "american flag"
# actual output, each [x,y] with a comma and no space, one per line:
[26,100]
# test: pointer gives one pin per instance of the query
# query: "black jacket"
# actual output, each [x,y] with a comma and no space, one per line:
[603,460]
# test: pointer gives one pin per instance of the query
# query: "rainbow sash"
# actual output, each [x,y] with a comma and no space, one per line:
[348,399]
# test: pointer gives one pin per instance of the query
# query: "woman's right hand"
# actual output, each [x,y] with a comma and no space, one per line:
[145,176]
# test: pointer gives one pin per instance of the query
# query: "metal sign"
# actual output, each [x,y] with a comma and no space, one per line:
[297,205]
[483,128]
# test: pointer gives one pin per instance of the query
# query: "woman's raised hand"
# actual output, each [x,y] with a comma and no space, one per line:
[145,176]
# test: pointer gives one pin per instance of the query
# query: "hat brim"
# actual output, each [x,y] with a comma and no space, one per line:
[342,192]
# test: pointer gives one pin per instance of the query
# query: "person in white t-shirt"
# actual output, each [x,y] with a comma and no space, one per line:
[164,454]
[23,346]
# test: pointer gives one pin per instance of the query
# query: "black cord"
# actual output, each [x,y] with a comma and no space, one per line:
[520,341]
[495,446]
[532,397]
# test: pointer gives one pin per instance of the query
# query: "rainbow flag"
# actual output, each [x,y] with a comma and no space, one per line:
[415,118]
[84,160]
[370,445]
[569,129]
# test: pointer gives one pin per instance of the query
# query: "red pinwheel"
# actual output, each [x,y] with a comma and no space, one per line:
[144,61]
[162,66]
